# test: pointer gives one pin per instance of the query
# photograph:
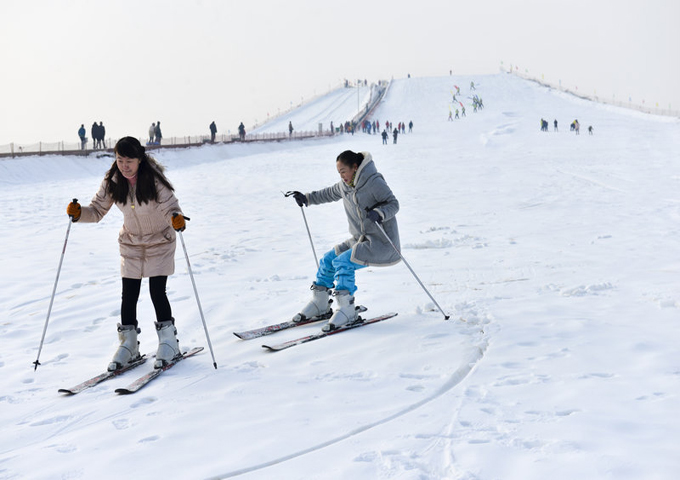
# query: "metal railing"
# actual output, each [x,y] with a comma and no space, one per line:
[74,148]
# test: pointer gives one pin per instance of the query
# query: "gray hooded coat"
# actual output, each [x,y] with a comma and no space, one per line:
[369,246]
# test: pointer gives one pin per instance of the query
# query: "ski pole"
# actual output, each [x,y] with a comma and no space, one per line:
[198,301]
[54,290]
[309,234]
[446,317]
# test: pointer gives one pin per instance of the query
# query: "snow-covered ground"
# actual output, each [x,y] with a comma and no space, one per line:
[555,254]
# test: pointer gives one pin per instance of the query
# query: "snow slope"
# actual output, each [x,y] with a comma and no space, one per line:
[555,254]
[338,106]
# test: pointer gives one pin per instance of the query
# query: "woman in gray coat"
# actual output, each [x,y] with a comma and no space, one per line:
[367,200]
[151,214]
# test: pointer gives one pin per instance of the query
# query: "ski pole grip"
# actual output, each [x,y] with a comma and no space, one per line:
[185,217]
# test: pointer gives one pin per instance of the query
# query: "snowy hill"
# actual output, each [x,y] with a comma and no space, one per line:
[555,254]
[338,106]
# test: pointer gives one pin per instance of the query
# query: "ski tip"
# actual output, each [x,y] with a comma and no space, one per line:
[123,391]
[65,391]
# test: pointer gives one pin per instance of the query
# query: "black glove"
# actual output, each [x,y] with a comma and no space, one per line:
[374,216]
[299,197]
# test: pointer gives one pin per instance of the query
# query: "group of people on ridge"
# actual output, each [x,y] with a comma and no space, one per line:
[98,133]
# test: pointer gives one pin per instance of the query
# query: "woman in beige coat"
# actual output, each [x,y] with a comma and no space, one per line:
[151,214]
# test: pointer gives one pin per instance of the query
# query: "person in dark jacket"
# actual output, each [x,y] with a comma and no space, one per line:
[213,132]
[368,201]
[95,134]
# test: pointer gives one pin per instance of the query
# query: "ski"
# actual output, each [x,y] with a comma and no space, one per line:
[145,379]
[317,336]
[102,377]
[277,327]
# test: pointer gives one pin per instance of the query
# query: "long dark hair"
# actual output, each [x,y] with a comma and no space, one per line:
[149,172]
[350,158]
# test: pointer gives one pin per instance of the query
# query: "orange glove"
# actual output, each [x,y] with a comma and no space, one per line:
[178,222]
[73,210]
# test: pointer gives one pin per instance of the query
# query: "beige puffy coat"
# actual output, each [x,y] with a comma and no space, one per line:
[147,240]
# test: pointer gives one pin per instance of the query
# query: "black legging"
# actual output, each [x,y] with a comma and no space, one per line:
[131,288]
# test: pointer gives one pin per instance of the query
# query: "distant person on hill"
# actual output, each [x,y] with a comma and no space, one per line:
[152,133]
[242,132]
[590,130]
[577,127]
[395,134]
[555,125]
[368,201]
[136,184]
[101,141]
[158,133]
[213,132]
[384,137]
[450,115]
[410,126]
[95,134]
[290,128]
[81,134]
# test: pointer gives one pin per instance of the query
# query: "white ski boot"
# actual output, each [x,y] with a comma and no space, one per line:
[318,306]
[345,314]
[168,345]
[128,350]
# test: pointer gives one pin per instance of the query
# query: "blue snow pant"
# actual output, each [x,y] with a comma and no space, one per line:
[339,269]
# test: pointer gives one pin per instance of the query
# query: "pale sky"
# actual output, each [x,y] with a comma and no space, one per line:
[186,63]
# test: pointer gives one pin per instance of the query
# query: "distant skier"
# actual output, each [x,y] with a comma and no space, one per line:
[555,125]
[410,126]
[395,134]
[590,130]
[290,128]
[384,137]
[242,132]
[577,127]
[152,133]
[213,132]
[368,201]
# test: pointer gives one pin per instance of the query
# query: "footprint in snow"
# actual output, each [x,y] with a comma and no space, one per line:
[144,401]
